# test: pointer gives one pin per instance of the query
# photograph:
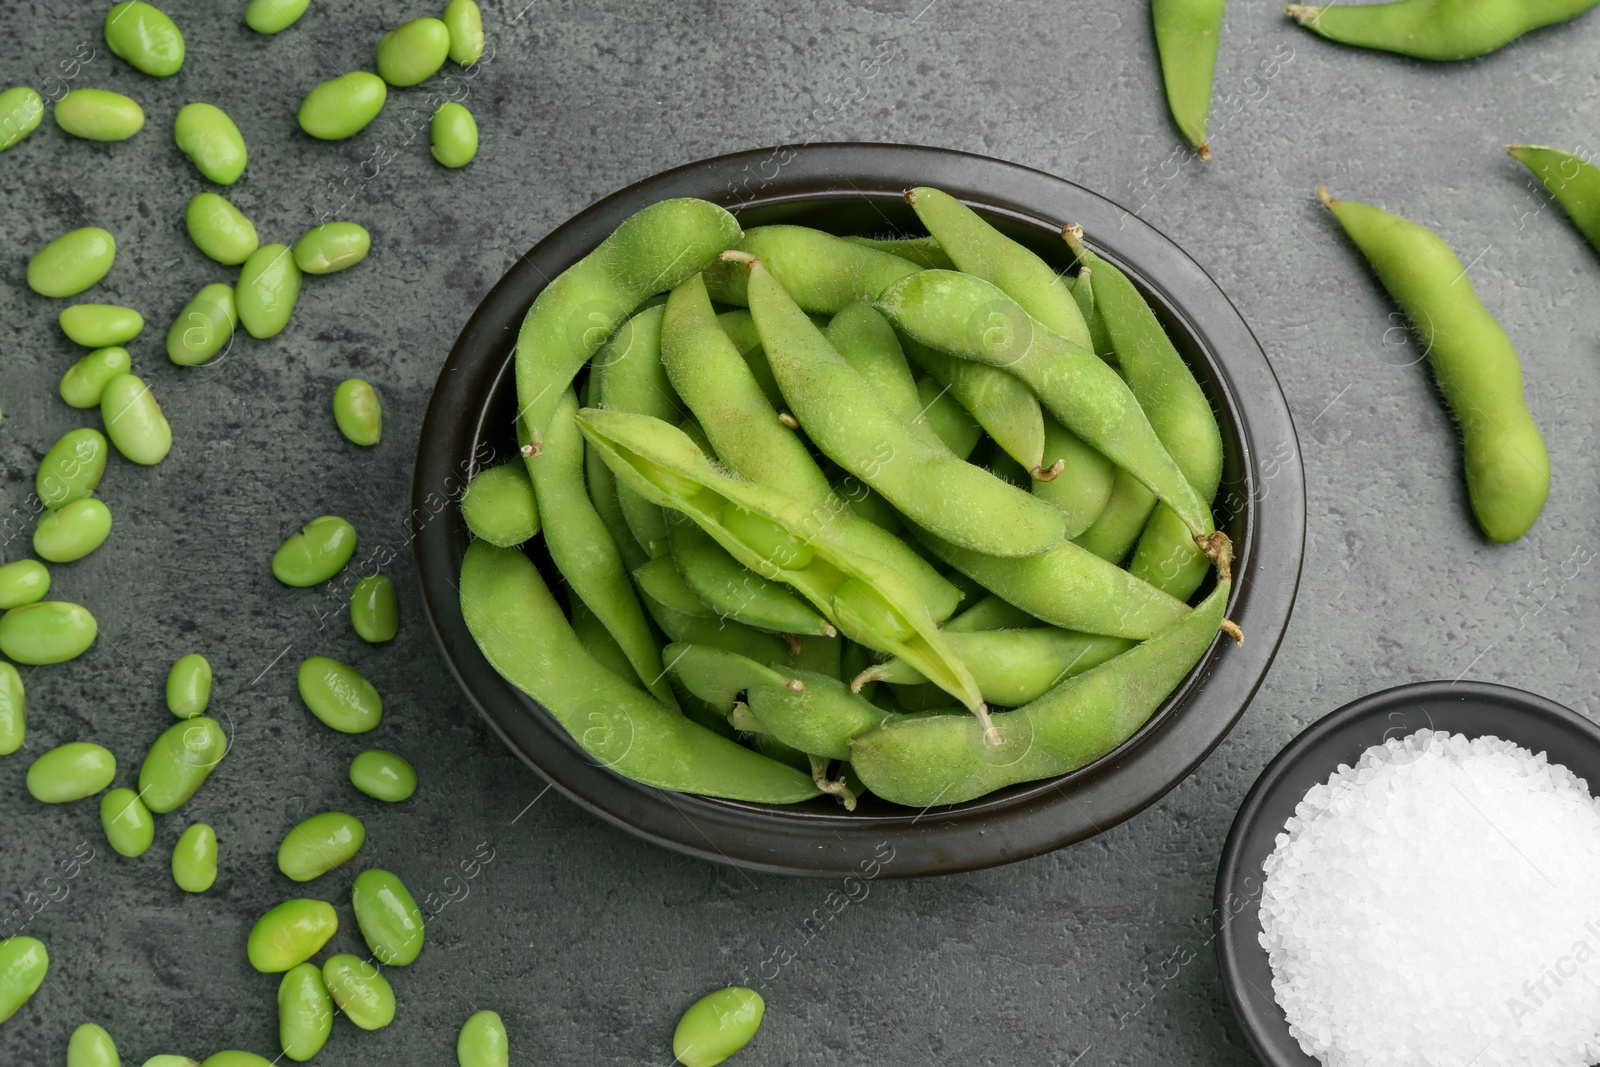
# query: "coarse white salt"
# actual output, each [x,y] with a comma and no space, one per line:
[1439,904]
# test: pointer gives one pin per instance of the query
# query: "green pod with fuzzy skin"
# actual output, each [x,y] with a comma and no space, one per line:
[956,429]
[1435,29]
[1082,486]
[1187,34]
[1573,181]
[1507,465]
[684,619]
[628,375]
[823,273]
[1012,667]
[923,251]
[1001,404]
[206,134]
[1119,526]
[990,613]
[735,592]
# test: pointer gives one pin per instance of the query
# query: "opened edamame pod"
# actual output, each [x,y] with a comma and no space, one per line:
[194,858]
[453,133]
[268,287]
[717,1025]
[374,609]
[145,37]
[362,993]
[23,581]
[23,963]
[72,262]
[338,695]
[315,552]
[342,106]
[189,686]
[390,921]
[71,772]
[100,325]
[482,1041]
[291,933]
[14,712]
[220,229]
[305,1012]
[332,246]
[381,775]
[317,845]
[134,421]
[204,327]
[23,109]
[358,412]
[128,824]
[50,631]
[206,134]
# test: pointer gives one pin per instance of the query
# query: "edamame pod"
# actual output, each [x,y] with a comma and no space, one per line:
[362,993]
[1082,287]
[374,611]
[413,51]
[206,134]
[717,1025]
[100,325]
[603,495]
[823,273]
[13,710]
[99,115]
[145,37]
[84,383]
[179,762]
[268,287]
[23,581]
[942,760]
[91,1046]
[939,492]
[342,106]
[991,613]
[1127,513]
[128,824]
[1187,33]
[867,342]
[718,676]
[1083,487]
[627,375]
[1434,29]
[482,1041]
[72,532]
[1000,403]
[134,421]
[50,631]
[453,135]
[819,715]
[72,469]
[950,422]
[274,16]
[358,412]
[523,634]
[333,246]
[317,845]
[315,552]
[741,330]
[1508,468]
[204,326]
[1574,182]
[390,921]
[499,505]
[305,1012]
[736,592]
[21,111]
[660,581]
[338,695]
[219,229]
[383,776]
[194,858]
[465,23]
[290,934]
[189,686]
[1012,667]
[72,262]
[923,251]
[23,963]
[71,772]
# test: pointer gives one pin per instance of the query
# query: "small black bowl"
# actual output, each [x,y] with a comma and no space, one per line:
[856,188]
[1470,708]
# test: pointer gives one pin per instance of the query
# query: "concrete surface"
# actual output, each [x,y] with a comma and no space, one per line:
[588,942]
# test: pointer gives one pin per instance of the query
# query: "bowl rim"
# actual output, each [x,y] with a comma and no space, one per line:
[1030,819]
[1235,916]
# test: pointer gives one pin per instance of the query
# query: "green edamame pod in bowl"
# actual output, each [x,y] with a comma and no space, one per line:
[482,1041]
[100,325]
[342,106]
[499,505]
[91,1046]
[129,826]
[465,23]
[362,993]
[374,610]
[219,229]
[317,845]
[189,686]
[1434,29]
[21,111]
[1508,468]
[1187,34]
[24,581]
[390,921]
[72,532]
[194,858]
[332,246]
[204,326]
[358,412]
[290,934]
[305,1012]
[23,963]
[84,383]
[823,273]
[274,16]
[179,762]
[1573,181]
[145,36]
[315,552]
[206,134]
[72,468]
[453,134]
[71,772]
[99,115]
[13,710]
[72,262]
[268,287]
[50,631]
[134,421]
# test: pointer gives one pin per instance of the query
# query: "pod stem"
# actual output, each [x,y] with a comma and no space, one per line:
[734,255]
[1050,473]
[873,673]
[1327,199]
[833,787]
[1072,233]
[531,449]
[1303,13]
[991,736]
[1219,550]
[1231,628]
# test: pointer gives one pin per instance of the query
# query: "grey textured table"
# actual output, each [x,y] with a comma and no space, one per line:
[588,942]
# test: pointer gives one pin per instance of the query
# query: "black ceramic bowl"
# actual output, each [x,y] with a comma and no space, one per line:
[856,188]
[1470,708]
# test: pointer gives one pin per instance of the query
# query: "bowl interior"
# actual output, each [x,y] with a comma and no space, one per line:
[1470,708]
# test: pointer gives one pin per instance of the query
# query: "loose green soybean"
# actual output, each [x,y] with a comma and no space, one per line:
[51,631]
[91,1046]
[274,16]
[383,776]
[317,845]
[305,1012]
[219,229]
[23,581]
[99,115]
[13,710]
[1508,468]
[363,994]
[465,23]
[338,695]
[269,285]
[290,934]
[72,532]
[72,469]
[71,772]
[21,111]
[23,963]
[179,762]
[72,262]
[358,412]
[482,1041]
[189,686]
[194,858]
[315,552]
[342,106]
[717,1025]
[1574,182]
[390,921]
[134,421]
[374,610]
[84,383]
[333,246]
[100,325]
[206,134]
[453,134]
[204,326]
[499,505]
[145,37]
[1435,29]
[413,51]
[129,826]
[1187,33]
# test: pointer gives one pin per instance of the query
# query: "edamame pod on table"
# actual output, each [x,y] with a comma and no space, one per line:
[413,51]
[220,229]
[1012,667]
[71,772]
[332,246]
[144,36]
[84,383]
[50,631]
[1434,29]
[23,581]
[343,105]
[1508,468]
[524,636]
[823,273]
[91,1046]
[717,1025]
[134,421]
[465,23]
[374,610]
[99,115]
[23,963]
[21,111]
[72,468]
[194,858]
[305,1012]
[268,288]
[72,262]
[204,326]
[1187,33]
[390,921]
[72,532]
[128,824]
[317,845]
[315,552]
[291,933]
[338,695]
[362,993]
[274,16]
[383,776]
[179,762]
[499,505]
[100,325]
[358,412]
[453,135]
[13,710]
[212,142]
[483,1042]
[1573,181]
[928,485]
